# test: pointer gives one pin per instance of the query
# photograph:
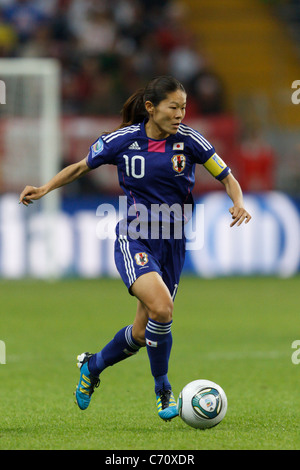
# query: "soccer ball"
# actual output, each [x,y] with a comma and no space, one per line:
[202,404]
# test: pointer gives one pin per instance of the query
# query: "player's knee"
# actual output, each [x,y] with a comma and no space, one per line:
[162,311]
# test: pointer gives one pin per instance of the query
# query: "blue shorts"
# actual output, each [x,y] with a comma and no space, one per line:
[134,258]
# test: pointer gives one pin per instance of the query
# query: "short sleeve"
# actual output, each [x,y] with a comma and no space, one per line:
[205,154]
[100,153]
[200,148]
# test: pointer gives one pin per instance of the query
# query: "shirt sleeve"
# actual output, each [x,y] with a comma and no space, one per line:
[100,153]
[205,154]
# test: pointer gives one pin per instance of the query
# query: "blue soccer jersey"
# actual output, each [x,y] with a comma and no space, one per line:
[156,171]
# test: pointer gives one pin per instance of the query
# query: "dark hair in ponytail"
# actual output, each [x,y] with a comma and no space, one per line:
[133,110]
[156,90]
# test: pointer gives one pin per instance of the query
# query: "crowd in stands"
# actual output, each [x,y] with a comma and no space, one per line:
[109,48]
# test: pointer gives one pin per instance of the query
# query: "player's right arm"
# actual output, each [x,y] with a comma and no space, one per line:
[67,175]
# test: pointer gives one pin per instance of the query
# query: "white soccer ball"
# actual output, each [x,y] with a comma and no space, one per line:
[202,404]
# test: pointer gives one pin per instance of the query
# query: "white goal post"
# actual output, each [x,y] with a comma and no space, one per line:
[30,140]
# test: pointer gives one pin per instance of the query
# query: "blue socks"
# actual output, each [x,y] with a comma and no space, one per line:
[159,343]
[119,348]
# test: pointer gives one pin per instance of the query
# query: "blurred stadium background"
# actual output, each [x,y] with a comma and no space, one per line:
[237,59]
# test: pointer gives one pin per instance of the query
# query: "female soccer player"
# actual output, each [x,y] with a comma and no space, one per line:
[155,154]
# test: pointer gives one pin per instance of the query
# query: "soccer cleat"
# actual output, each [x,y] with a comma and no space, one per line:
[166,405]
[87,382]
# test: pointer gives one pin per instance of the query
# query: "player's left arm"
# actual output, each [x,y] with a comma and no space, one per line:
[238,212]
[219,170]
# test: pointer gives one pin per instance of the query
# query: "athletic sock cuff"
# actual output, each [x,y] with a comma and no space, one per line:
[130,340]
[158,328]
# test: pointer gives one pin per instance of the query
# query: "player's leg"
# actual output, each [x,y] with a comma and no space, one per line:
[158,307]
[122,346]
[125,343]
[154,314]
[140,323]
[132,258]
[129,339]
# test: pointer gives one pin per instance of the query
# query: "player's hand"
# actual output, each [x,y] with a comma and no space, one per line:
[239,215]
[29,194]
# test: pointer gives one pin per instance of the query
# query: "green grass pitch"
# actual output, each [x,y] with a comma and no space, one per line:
[237,332]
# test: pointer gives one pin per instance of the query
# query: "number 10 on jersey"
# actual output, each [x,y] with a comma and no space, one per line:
[135,166]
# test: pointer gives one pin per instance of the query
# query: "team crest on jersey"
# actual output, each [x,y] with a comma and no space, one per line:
[141,258]
[178,163]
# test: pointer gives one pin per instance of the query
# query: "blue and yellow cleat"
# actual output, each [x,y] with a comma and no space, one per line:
[87,382]
[166,405]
